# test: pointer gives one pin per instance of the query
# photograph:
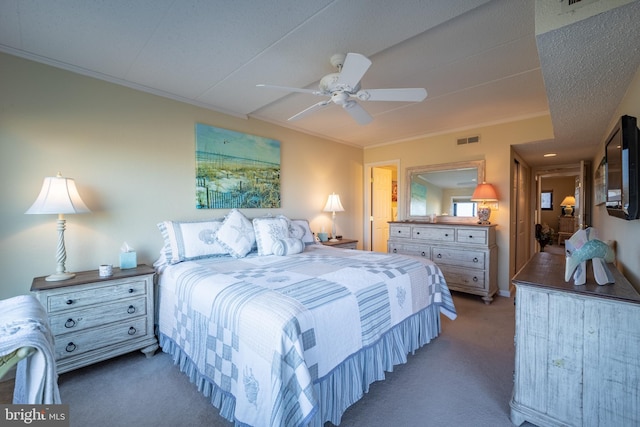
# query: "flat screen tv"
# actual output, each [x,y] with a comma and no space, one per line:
[623,178]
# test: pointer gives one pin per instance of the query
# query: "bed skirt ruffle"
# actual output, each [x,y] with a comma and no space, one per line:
[344,385]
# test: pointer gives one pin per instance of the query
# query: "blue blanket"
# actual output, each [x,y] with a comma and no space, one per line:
[266,336]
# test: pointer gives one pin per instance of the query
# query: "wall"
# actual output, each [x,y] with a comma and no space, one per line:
[132,156]
[625,233]
[494,148]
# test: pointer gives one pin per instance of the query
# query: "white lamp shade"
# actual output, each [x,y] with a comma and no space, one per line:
[333,204]
[58,196]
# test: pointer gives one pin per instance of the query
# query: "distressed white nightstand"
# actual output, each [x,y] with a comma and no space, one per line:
[95,318]
[342,243]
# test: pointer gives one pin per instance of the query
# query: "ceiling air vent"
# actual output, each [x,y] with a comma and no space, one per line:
[571,5]
[468,140]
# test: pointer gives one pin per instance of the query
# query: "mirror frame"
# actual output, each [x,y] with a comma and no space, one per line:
[478,164]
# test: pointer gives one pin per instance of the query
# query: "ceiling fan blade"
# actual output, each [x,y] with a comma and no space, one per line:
[291,89]
[354,67]
[358,113]
[312,109]
[407,95]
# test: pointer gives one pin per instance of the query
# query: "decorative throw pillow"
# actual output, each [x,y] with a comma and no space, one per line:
[307,235]
[236,234]
[288,246]
[295,230]
[190,240]
[268,230]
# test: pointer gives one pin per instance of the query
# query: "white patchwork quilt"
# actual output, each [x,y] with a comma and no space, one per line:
[259,334]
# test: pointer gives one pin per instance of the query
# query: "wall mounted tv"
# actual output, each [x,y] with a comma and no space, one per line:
[623,176]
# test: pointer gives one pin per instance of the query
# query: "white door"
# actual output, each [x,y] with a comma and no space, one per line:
[380,208]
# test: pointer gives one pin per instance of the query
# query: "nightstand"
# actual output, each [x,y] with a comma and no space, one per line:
[95,318]
[342,243]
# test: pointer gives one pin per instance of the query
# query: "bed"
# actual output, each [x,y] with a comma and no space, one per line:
[282,331]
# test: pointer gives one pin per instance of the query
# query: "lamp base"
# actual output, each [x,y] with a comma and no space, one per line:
[484,212]
[334,240]
[56,277]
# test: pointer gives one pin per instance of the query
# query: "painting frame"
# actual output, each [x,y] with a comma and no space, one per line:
[236,170]
[600,183]
[546,200]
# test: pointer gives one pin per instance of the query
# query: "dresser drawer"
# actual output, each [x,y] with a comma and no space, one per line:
[76,320]
[458,257]
[432,233]
[471,235]
[409,249]
[400,231]
[81,342]
[467,278]
[95,295]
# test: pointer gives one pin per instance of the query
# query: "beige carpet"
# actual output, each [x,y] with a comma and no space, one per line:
[462,378]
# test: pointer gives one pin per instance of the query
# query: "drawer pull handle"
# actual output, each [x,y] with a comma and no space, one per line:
[131,309]
[70,323]
[475,259]
[69,301]
[417,232]
[446,234]
[471,237]
[131,290]
[132,331]
[395,251]
[399,231]
[475,279]
[71,347]
[423,254]
[439,255]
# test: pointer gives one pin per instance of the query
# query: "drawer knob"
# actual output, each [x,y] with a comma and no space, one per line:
[417,232]
[423,254]
[131,290]
[446,234]
[475,279]
[70,347]
[69,301]
[70,323]
[475,259]
[131,309]
[132,331]
[395,250]
[471,237]
[439,256]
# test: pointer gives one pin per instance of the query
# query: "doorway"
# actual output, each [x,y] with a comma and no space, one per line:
[381,199]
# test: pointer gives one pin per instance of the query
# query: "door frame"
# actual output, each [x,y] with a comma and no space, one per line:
[366,232]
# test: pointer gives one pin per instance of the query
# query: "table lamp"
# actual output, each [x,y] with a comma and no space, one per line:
[333,205]
[484,193]
[568,203]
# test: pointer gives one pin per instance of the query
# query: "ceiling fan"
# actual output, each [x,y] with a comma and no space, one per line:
[343,86]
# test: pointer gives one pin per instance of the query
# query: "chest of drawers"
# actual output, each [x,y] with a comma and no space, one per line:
[466,253]
[94,318]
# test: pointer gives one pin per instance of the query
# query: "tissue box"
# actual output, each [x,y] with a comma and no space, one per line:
[128,260]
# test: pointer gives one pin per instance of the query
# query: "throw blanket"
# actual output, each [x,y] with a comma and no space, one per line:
[266,329]
[23,322]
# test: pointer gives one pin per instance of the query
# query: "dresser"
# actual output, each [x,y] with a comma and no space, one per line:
[467,254]
[94,318]
[577,352]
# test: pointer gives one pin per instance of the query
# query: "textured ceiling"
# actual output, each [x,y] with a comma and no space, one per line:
[480,61]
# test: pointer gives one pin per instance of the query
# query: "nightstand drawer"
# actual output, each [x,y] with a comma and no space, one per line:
[95,295]
[76,320]
[81,342]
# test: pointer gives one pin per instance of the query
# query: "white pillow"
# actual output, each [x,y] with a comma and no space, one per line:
[288,246]
[300,229]
[268,230]
[188,240]
[236,234]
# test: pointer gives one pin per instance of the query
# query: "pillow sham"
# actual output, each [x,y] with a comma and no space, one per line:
[268,230]
[189,240]
[288,246]
[299,228]
[236,234]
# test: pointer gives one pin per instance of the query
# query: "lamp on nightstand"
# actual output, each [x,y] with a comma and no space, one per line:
[333,205]
[59,196]
[484,193]
[568,203]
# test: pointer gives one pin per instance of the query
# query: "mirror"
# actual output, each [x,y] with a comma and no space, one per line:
[442,189]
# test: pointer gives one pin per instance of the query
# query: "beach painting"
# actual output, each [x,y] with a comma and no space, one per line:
[236,170]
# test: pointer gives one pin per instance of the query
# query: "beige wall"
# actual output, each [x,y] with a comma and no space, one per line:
[132,156]
[494,148]
[625,233]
